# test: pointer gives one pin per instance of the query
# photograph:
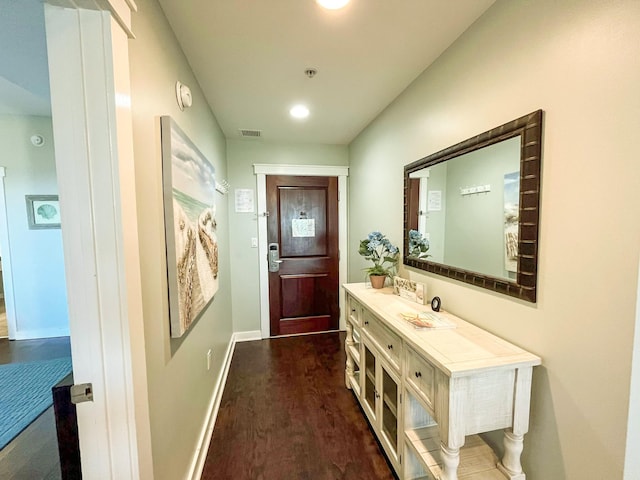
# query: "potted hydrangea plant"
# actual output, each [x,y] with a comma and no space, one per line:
[384,255]
[418,245]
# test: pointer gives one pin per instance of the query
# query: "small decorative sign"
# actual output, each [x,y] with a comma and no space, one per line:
[434,201]
[303,227]
[410,290]
[244,200]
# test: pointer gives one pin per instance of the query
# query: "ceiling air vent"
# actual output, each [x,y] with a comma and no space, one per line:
[250,133]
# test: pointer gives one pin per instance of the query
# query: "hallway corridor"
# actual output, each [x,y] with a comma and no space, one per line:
[286,414]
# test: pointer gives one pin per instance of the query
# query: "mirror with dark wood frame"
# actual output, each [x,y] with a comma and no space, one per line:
[477,205]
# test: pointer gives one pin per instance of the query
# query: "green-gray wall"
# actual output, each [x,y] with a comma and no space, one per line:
[579,61]
[241,156]
[180,387]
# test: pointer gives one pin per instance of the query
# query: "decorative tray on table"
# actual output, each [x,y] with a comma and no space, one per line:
[427,320]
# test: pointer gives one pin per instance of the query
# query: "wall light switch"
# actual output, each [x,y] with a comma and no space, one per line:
[209,360]
[254,242]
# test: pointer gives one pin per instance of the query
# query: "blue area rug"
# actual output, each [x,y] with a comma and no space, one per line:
[25,392]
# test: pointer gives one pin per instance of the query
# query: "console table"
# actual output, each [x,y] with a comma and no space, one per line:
[428,393]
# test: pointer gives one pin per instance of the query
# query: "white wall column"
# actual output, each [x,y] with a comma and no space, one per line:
[91,106]
[5,250]
[632,459]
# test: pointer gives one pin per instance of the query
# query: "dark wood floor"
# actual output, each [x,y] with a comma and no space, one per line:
[286,414]
[33,455]
[15,351]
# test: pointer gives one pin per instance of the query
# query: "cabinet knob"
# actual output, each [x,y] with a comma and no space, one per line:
[418,374]
[390,347]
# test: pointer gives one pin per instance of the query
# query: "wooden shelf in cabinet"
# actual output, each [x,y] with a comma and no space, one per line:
[390,431]
[391,403]
[390,397]
[355,383]
[354,351]
[477,459]
[371,375]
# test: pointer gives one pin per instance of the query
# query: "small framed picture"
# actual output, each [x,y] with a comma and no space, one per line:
[43,211]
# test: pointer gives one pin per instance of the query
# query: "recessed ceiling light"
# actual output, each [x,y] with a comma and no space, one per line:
[299,111]
[332,4]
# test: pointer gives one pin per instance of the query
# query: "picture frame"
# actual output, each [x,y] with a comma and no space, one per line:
[190,227]
[43,211]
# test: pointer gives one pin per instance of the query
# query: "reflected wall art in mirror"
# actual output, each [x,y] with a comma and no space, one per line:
[477,205]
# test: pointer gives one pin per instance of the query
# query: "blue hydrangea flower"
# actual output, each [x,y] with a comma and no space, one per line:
[379,249]
[418,245]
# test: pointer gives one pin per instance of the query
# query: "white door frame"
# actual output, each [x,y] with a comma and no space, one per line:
[261,171]
[93,136]
[631,460]
[7,272]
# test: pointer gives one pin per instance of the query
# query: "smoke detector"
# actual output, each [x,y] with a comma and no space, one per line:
[183,96]
[311,72]
[37,140]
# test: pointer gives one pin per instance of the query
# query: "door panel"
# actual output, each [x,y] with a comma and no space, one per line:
[299,297]
[307,208]
[303,221]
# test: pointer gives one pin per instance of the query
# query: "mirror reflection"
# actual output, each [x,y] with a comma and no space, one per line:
[478,204]
[467,209]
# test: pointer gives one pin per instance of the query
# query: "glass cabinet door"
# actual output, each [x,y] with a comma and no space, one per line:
[369,369]
[390,408]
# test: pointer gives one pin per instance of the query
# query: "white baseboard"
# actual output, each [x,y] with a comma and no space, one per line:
[41,333]
[200,455]
[248,336]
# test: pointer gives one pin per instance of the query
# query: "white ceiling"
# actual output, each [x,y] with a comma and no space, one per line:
[24,73]
[249,57]
[16,100]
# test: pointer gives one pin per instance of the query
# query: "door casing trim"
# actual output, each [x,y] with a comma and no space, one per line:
[261,171]
[88,54]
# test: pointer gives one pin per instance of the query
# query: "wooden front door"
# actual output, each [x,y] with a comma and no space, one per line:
[302,232]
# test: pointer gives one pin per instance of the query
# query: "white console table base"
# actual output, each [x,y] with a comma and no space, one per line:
[459,382]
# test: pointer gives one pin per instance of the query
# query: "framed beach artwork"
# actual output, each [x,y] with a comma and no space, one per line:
[43,211]
[190,227]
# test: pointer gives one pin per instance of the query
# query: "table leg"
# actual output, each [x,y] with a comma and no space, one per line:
[450,462]
[510,464]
